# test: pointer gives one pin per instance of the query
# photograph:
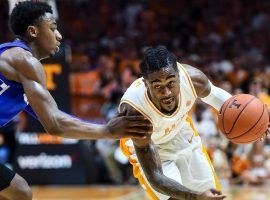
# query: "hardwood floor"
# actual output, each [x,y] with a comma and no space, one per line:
[131,193]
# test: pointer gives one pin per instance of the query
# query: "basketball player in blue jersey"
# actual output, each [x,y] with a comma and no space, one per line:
[23,87]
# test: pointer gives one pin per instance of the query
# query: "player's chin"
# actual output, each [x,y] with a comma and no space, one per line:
[54,50]
[52,53]
[169,108]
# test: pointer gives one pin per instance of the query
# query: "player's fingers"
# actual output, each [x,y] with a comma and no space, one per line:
[138,130]
[144,124]
[136,136]
[136,118]
[214,191]
[140,123]
[265,135]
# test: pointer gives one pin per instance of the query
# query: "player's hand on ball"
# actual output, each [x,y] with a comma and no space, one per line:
[211,194]
[129,127]
[267,133]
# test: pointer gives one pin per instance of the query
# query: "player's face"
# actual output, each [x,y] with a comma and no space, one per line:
[163,87]
[48,37]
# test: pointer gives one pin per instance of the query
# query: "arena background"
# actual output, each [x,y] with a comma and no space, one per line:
[103,41]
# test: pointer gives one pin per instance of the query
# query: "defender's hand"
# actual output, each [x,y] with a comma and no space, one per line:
[211,194]
[129,127]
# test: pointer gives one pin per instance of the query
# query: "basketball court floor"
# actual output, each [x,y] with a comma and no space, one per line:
[131,193]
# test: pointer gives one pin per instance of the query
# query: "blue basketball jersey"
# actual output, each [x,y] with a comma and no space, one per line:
[12,97]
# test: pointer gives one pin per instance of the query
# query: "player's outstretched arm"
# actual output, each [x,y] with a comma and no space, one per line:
[209,93]
[151,164]
[30,73]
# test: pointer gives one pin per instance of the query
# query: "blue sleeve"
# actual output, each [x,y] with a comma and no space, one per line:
[30,111]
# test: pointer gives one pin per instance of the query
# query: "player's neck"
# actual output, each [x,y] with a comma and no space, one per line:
[32,46]
[23,40]
[169,112]
[36,53]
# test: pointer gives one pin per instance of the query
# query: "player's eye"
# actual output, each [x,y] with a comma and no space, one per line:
[171,83]
[157,86]
[53,29]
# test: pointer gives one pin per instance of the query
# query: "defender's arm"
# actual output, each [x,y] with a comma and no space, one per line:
[19,65]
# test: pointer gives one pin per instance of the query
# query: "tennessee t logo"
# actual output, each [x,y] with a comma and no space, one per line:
[234,103]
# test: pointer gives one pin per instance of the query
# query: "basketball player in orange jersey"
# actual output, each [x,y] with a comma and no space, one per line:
[23,87]
[171,163]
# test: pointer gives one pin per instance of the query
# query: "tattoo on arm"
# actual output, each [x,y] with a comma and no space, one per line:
[151,164]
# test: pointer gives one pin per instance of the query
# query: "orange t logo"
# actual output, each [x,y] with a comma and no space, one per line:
[50,70]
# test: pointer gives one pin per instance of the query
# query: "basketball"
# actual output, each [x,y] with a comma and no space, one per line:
[243,119]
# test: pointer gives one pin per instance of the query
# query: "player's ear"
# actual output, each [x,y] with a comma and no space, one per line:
[32,31]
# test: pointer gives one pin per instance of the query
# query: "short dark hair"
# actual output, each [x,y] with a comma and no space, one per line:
[156,58]
[27,13]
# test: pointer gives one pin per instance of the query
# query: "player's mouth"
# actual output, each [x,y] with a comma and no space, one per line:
[167,101]
[57,48]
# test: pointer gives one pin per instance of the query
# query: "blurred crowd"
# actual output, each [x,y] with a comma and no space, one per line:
[227,40]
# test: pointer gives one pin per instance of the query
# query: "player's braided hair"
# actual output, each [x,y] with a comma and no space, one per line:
[26,13]
[156,58]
